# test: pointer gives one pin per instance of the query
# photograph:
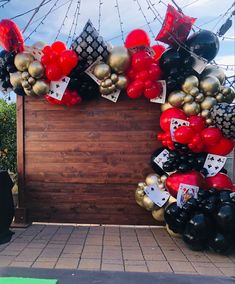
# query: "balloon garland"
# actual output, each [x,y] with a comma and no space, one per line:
[190,188]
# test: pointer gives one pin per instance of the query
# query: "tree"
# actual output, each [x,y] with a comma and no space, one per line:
[7,136]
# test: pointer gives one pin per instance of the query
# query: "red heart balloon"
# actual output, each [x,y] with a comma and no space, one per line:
[11,37]
[220,181]
[192,178]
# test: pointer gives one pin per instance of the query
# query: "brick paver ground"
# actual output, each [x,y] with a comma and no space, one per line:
[115,248]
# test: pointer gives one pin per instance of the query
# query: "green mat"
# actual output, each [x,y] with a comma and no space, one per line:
[16,280]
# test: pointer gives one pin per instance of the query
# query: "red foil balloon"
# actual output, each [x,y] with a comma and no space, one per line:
[223,147]
[192,178]
[158,49]
[167,115]
[11,37]
[136,38]
[220,181]
[211,136]
[176,27]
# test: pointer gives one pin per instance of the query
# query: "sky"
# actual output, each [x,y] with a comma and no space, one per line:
[208,13]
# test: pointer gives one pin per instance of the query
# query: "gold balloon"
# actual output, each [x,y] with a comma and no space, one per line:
[176,98]
[188,99]
[171,233]
[148,204]
[208,103]
[166,106]
[215,71]
[122,82]
[31,81]
[108,83]
[39,44]
[169,201]
[163,178]
[119,59]
[158,214]
[114,78]
[210,85]
[111,89]
[194,92]
[161,186]
[102,71]
[151,179]
[40,87]
[22,60]
[36,69]
[142,185]
[25,75]
[29,92]
[104,90]
[225,90]
[209,121]
[139,195]
[15,79]
[26,85]
[102,84]
[189,83]
[219,97]
[191,108]
[199,98]
[205,113]
[228,93]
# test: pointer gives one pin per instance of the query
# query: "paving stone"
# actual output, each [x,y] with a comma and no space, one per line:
[133,268]
[182,266]
[89,264]
[112,267]
[44,264]
[67,263]
[205,268]
[21,264]
[228,271]
[158,266]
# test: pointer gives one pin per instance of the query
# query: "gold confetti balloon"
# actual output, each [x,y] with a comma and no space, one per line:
[36,69]
[210,85]
[119,59]
[40,88]
[189,83]
[22,60]
[191,108]
[122,82]
[15,79]
[208,103]
[212,70]
[148,204]
[158,214]
[151,179]
[102,71]
[176,98]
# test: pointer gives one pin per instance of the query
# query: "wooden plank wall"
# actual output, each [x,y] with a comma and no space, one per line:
[82,164]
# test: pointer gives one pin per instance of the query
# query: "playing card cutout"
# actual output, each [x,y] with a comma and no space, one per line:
[199,63]
[213,164]
[3,90]
[57,88]
[162,158]
[90,69]
[113,97]
[185,192]
[36,52]
[158,196]
[161,99]
[175,123]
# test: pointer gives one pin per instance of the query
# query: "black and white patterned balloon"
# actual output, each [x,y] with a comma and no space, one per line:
[223,117]
[89,45]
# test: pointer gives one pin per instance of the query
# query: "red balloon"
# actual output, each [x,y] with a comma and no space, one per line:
[141,60]
[211,136]
[142,75]
[53,72]
[192,178]
[68,60]
[175,28]
[69,98]
[131,74]
[184,134]
[223,148]
[155,72]
[135,89]
[136,38]
[58,46]
[153,91]
[47,50]
[197,123]
[167,115]
[220,181]
[45,59]
[11,37]
[158,49]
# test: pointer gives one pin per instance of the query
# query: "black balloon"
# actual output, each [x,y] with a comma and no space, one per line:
[19,91]
[220,243]
[225,218]
[193,242]
[170,59]
[204,43]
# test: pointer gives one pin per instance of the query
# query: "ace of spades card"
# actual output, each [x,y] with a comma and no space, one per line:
[213,164]
[185,192]
[175,123]
[57,88]
[161,99]
[158,196]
